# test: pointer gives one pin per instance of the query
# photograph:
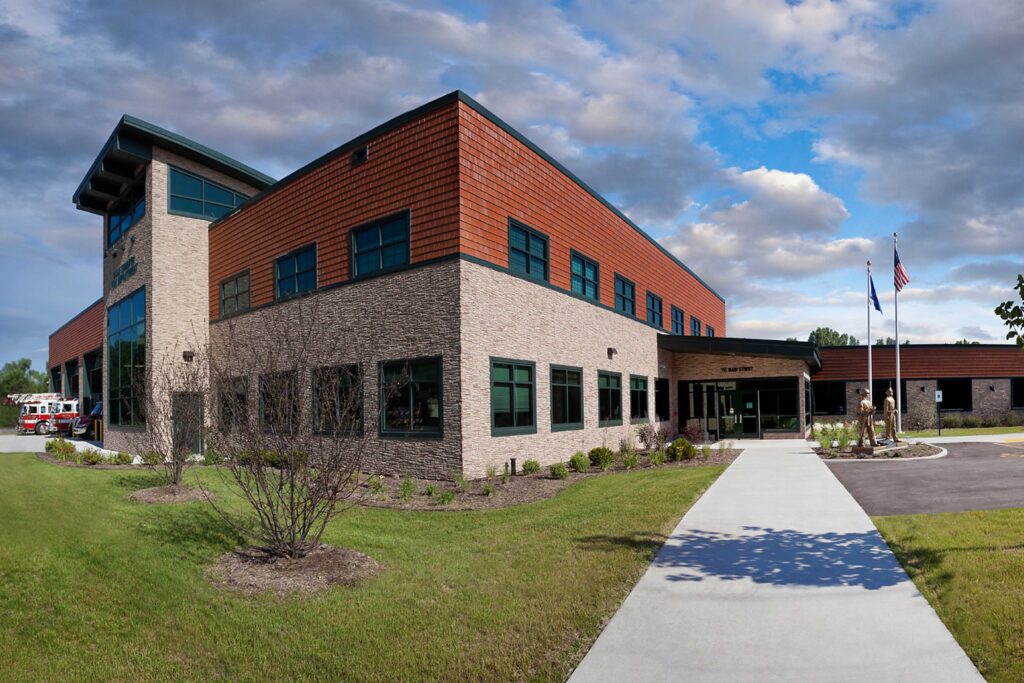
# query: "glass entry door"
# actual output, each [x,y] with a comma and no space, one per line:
[737,410]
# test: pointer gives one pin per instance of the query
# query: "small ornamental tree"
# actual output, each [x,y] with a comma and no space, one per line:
[1012,314]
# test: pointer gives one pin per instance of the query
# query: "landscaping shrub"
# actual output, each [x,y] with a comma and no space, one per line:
[824,433]
[91,457]
[600,454]
[375,483]
[430,490]
[579,461]
[705,451]
[969,422]
[212,457]
[121,458]
[531,467]
[462,483]
[153,459]
[559,471]
[647,435]
[505,474]
[660,438]
[488,489]
[921,417]
[692,434]
[492,473]
[681,449]
[844,435]
[1013,419]
[952,421]
[62,450]
[51,444]
[406,489]
[657,458]
[446,497]
[990,421]
[630,459]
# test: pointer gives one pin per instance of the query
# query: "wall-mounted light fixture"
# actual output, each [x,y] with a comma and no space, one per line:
[991,387]
[922,390]
[187,356]
[611,352]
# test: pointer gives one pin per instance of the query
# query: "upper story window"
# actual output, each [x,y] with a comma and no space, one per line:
[654,310]
[710,331]
[584,276]
[381,246]
[678,321]
[128,211]
[192,195]
[295,273]
[527,251]
[694,326]
[234,294]
[625,296]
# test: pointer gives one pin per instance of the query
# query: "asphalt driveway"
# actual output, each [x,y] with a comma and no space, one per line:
[974,476]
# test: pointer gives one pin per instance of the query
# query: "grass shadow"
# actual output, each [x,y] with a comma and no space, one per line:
[641,542]
[198,531]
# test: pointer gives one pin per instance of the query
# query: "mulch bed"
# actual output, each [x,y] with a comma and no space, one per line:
[907,452]
[519,490]
[253,571]
[103,466]
[169,494]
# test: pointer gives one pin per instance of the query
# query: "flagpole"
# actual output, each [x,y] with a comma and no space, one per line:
[870,376]
[896,312]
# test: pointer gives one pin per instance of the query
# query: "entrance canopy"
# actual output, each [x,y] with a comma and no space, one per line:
[738,346]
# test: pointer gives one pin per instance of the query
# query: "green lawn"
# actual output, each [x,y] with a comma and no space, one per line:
[966,431]
[93,586]
[970,566]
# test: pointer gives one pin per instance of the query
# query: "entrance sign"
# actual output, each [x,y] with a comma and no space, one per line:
[938,396]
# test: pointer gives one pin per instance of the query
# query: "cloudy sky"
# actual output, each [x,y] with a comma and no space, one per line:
[774,146]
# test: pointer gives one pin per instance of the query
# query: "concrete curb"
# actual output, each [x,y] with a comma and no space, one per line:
[941,454]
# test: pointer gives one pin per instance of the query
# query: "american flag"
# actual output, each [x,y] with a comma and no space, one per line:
[900,278]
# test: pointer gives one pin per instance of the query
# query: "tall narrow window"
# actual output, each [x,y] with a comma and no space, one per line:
[337,400]
[609,399]
[295,272]
[661,402]
[527,251]
[694,326]
[126,359]
[709,330]
[513,399]
[411,397]
[192,195]
[566,398]
[625,296]
[1016,393]
[654,310]
[381,246]
[128,211]
[678,321]
[584,276]
[638,404]
[234,294]
[233,397]
[279,403]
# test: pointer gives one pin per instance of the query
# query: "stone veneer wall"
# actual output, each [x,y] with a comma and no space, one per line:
[408,314]
[505,316]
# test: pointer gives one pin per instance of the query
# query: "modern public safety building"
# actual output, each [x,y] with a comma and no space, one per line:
[528,316]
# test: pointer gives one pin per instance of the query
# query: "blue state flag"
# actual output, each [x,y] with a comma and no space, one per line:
[874,297]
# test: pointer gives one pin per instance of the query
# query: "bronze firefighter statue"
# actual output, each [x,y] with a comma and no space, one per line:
[866,421]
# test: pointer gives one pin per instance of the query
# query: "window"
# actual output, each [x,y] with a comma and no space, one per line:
[654,310]
[411,397]
[234,294]
[638,404]
[829,398]
[126,358]
[279,403]
[956,394]
[625,296]
[337,400]
[661,402]
[381,246]
[128,211]
[778,401]
[233,398]
[295,273]
[527,251]
[585,279]
[878,389]
[566,398]
[678,321]
[710,331]
[694,326]
[1017,392]
[513,400]
[192,195]
[609,399]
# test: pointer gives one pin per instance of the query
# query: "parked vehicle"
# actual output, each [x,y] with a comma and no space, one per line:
[36,413]
[84,427]
[67,413]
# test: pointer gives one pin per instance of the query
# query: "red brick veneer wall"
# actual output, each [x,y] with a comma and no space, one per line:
[414,166]
[922,362]
[80,335]
[501,177]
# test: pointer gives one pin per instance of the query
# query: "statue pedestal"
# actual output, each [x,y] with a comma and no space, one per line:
[863,450]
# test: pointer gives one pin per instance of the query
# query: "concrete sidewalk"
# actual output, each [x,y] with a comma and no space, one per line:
[776,574]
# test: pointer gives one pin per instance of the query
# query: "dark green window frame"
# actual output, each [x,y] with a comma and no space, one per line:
[625,296]
[709,331]
[126,360]
[411,391]
[528,251]
[513,386]
[381,246]
[639,399]
[654,307]
[338,391]
[194,196]
[279,403]
[678,321]
[585,276]
[566,398]
[295,272]
[662,405]
[609,398]
[694,326]
[236,293]
[233,403]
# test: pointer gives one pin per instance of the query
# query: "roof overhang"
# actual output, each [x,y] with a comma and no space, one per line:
[129,149]
[738,346]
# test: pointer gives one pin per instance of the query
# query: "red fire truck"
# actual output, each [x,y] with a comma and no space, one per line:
[37,411]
